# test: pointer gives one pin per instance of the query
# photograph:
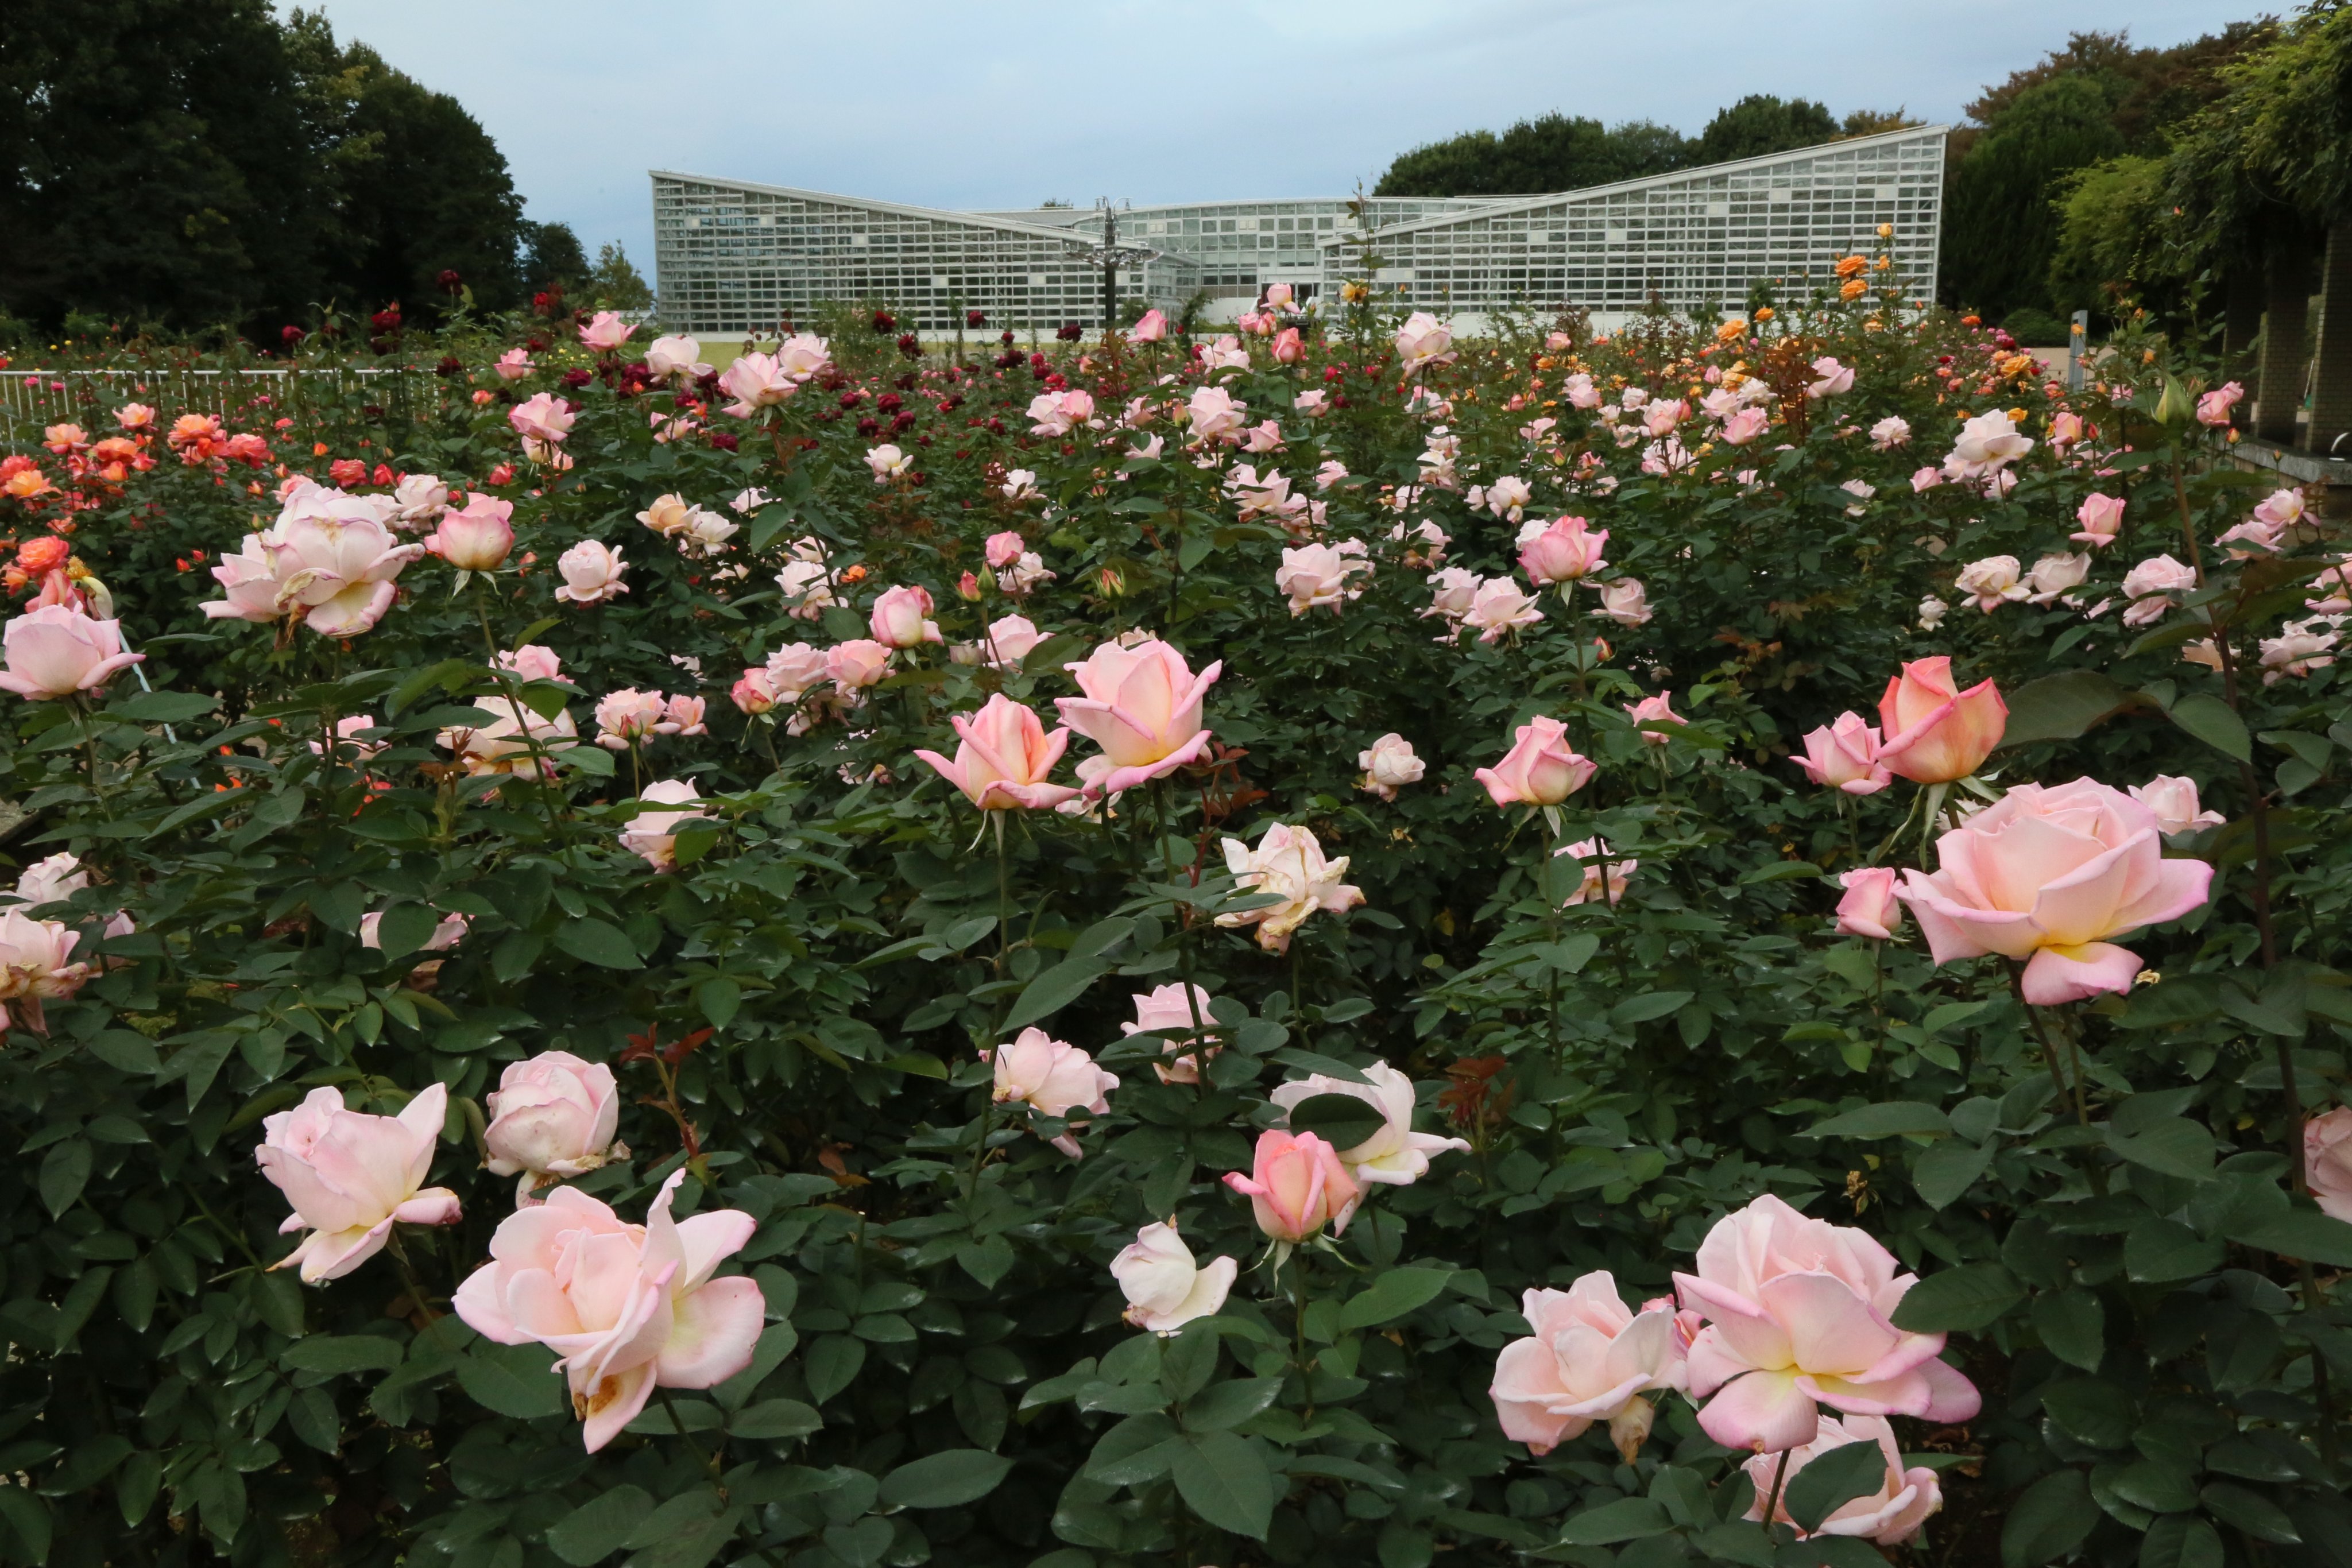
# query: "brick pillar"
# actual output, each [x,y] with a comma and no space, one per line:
[2286,281]
[2331,390]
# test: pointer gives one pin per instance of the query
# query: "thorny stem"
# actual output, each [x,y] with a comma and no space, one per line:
[708,1461]
[1772,1499]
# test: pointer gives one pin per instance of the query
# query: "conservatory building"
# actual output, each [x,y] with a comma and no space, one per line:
[734,256]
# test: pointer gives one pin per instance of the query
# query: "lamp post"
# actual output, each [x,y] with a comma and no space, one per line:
[1110,255]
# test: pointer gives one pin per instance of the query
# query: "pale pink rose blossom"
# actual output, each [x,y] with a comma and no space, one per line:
[1020,578]
[1002,549]
[1421,343]
[1588,1357]
[686,713]
[503,741]
[673,357]
[626,717]
[2150,585]
[479,539]
[416,497]
[1497,607]
[627,1308]
[1287,864]
[1870,907]
[513,365]
[2051,876]
[1926,479]
[249,579]
[1296,1185]
[606,331]
[2213,408]
[592,574]
[542,417]
[1987,441]
[754,692]
[349,1176]
[1604,871]
[1150,328]
[2300,648]
[2174,800]
[1991,582]
[1010,640]
[1746,425]
[1389,765]
[652,836]
[1889,1516]
[1541,770]
[1566,551]
[1831,379]
[807,586]
[532,662]
[551,1117]
[2066,429]
[796,668]
[1625,601]
[2100,517]
[1053,1078]
[1843,754]
[2264,539]
[2281,509]
[1005,757]
[1168,1009]
[2054,575]
[54,879]
[901,618]
[1214,415]
[36,965]
[57,651]
[1799,1311]
[1142,706]
[1164,1286]
[1651,712]
[1454,590]
[1395,1156]
[1891,431]
[1322,577]
[1314,403]
[2328,1162]
[1934,732]
[855,665]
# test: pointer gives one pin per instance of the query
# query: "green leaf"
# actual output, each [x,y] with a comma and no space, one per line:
[2061,706]
[2161,1251]
[517,1380]
[1946,1169]
[1229,1403]
[597,942]
[1894,1118]
[2053,1516]
[404,928]
[2092,1410]
[342,1352]
[593,1530]
[2215,723]
[2173,1146]
[718,999]
[1222,1478]
[1969,1297]
[65,1171]
[162,708]
[1627,1519]
[1342,1121]
[946,1479]
[2181,1541]
[1396,1292]
[2073,1326]
[774,1420]
[2303,1234]
[1054,990]
[1830,1481]
[2242,1508]
[1648,1006]
[831,1365]
[28,1517]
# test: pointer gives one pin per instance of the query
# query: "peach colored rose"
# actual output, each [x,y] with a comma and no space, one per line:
[1541,770]
[1563,552]
[854,665]
[627,1308]
[351,1175]
[57,651]
[1167,1009]
[2174,801]
[653,835]
[1936,733]
[1844,754]
[1296,1185]
[2100,516]
[1588,1357]
[2050,875]
[1288,866]
[1389,765]
[1142,706]
[1003,758]
[901,618]
[479,539]
[591,573]
[37,961]
[1870,907]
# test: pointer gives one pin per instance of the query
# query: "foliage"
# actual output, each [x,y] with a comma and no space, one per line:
[1761,123]
[2101,1198]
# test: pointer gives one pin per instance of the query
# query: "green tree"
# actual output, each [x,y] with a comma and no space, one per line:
[1552,152]
[2113,238]
[1760,124]
[1999,230]
[615,280]
[552,258]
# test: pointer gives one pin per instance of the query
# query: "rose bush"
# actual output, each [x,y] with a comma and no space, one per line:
[1024,1046]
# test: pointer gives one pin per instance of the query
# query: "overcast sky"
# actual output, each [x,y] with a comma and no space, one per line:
[968,105]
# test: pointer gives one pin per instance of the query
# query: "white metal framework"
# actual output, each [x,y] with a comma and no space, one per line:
[736,256]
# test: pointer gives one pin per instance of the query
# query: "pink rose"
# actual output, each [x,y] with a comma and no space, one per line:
[503,741]
[1604,871]
[1831,378]
[1564,552]
[2100,516]
[1287,864]
[1870,907]
[2174,801]
[628,1308]
[57,651]
[1746,425]
[2213,408]
[1151,329]
[448,932]
[1421,341]
[653,835]
[1296,1185]
[756,382]
[1003,548]
[513,365]
[1288,348]
[1005,757]
[1936,733]
[1588,1357]
[35,959]
[1164,1287]
[2326,1161]
[1053,1078]
[249,578]
[591,573]
[531,662]
[1389,765]
[1889,1516]
[854,665]
[1844,754]
[1010,640]
[2049,875]
[1541,770]
[1142,706]
[541,417]
[755,692]
[1799,1309]
[606,331]
[1167,1009]
[552,1116]
[349,1176]
[901,618]
[1651,712]
[479,539]
[627,716]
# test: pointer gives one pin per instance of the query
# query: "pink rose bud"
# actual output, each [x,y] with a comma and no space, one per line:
[2049,875]
[1564,552]
[1541,770]
[1844,755]
[628,1308]
[1869,907]
[57,650]
[2174,801]
[901,618]
[1296,1186]
[2100,516]
[968,588]
[1936,733]
[479,539]
[1005,757]
[756,692]
[551,1117]
[1004,549]
[349,1176]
